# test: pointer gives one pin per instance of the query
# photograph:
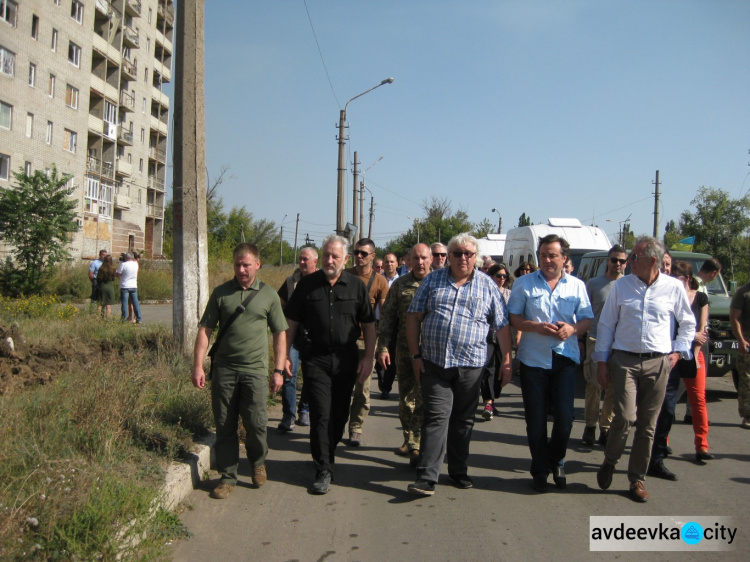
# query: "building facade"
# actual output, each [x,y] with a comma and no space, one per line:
[81,87]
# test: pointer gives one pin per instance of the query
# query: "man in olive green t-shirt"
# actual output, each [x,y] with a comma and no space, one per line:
[739,318]
[240,366]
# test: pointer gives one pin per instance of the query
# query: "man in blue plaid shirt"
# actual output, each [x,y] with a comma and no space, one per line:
[453,311]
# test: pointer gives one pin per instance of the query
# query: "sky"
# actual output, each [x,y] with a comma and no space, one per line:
[549,108]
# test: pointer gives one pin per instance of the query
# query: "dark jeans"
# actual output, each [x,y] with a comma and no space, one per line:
[556,387]
[666,418]
[387,376]
[450,399]
[329,380]
[491,386]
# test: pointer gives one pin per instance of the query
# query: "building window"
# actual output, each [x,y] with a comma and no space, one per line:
[4,166]
[110,113]
[76,11]
[98,198]
[29,124]
[9,12]
[6,115]
[51,86]
[7,60]
[143,109]
[35,27]
[145,75]
[27,168]
[48,138]
[54,40]
[32,74]
[149,15]
[74,54]
[70,141]
[143,135]
[71,97]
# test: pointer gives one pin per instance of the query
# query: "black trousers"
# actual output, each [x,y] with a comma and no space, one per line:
[329,379]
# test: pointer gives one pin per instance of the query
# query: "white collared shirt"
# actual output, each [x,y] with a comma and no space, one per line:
[638,318]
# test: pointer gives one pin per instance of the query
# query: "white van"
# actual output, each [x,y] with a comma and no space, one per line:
[521,243]
[492,245]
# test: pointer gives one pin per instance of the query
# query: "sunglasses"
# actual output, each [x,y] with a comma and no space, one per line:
[500,276]
[361,253]
[616,261]
[458,254]
[635,257]
[438,255]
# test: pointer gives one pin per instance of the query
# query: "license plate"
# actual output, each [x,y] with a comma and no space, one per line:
[726,345]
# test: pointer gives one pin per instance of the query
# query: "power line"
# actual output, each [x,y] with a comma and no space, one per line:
[321,54]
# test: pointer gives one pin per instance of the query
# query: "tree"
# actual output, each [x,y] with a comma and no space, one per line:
[37,216]
[718,224]
[628,237]
[483,228]
[523,220]
[672,234]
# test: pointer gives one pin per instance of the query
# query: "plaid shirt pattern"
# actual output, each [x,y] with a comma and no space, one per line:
[458,319]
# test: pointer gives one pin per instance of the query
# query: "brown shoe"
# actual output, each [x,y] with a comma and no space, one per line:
[638,492]
[259,476]
[403,450]
[414,457]
[221,491]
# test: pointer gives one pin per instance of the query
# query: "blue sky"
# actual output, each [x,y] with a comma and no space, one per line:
[552,108]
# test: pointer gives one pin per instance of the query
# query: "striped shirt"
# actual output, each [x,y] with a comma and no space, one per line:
[457,318]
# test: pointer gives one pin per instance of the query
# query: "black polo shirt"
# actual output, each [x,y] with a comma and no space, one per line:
[331,315]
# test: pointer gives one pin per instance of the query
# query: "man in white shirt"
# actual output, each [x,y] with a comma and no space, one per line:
[128,274]
[635,351]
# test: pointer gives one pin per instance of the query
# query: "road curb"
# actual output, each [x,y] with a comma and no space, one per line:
[183,477]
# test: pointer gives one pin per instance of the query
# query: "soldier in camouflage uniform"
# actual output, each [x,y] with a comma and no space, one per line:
[739,316]
[393,318]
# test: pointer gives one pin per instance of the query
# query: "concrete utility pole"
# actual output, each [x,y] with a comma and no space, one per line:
[656,206]
[354,196]
[296,231]
[341,180]
[190,279]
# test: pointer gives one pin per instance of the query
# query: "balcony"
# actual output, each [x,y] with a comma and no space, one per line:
[104,89]
[96,125]
[122,202]
[129,69]
[133,7]
[163,41]
[160,97]
[157,154]
[167,13]
[125,136]
[124,168]
[104,7]
[155,211]
[96,166]
[160,126]
[106,50]
[127,102]
[155,184]
[130,36]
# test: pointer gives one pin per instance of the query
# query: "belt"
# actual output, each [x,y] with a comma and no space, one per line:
[644,355]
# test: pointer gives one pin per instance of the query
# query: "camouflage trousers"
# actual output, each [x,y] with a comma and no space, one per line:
[410,410]
[743,384]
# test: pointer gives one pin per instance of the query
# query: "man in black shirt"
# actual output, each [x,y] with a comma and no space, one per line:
[333,306]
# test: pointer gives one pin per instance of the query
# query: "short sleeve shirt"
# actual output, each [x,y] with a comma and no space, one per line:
[94,267]
[245,345]
[331,314]
[128,272]
[741,302]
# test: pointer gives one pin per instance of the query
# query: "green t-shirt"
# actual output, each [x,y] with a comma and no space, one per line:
[741,302]
[245,345]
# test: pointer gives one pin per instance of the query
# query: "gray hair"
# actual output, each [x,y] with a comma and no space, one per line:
[310,249]
[437,246]
[336,239]
[462,240]
[652,248]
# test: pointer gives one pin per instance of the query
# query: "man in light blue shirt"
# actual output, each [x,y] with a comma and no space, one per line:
[551,308]
[636,351]
[452,311]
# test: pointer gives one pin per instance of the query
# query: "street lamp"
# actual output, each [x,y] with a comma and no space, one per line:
[499,220]
[340,195]
[416,223]
[281,241]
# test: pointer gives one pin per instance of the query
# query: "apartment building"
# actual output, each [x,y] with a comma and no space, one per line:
[81,87]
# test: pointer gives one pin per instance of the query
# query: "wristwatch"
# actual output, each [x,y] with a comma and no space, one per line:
[279,371]
[416,356]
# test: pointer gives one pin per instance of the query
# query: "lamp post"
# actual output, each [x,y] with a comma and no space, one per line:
[340,194]
[499,220]
[281,241]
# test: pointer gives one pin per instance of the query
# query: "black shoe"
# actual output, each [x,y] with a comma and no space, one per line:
[539,483]
[322,483]
[385,395]
[703,456]
[462,482]
[558,475]
[667,451]
[421,488]
[589,436]
[604,475]
[687,419]
[658,470]
[603,434]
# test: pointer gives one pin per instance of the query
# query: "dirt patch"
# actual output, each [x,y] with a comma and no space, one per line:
[23,366]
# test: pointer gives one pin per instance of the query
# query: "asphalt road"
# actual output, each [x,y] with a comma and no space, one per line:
[368,515]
